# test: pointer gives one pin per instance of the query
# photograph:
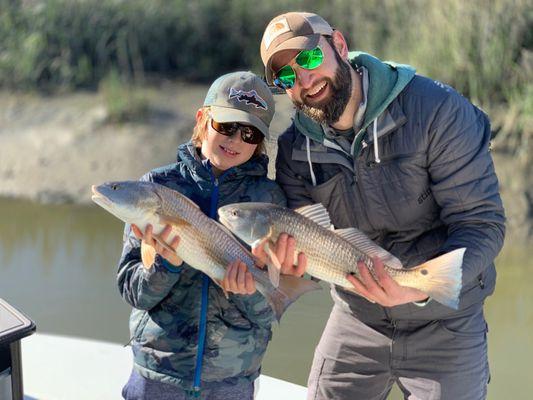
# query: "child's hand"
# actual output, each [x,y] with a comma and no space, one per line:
[150,246]
[238,279]
[285,251]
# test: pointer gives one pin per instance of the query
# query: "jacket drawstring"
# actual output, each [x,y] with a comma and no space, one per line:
[308,151]
[313,178]
[376,147]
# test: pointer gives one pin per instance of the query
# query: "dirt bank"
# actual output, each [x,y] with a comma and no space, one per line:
[54,148]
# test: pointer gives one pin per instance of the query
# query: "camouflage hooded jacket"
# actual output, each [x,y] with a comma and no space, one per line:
[184,330]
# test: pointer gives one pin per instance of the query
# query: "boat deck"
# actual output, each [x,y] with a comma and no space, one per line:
[66,368]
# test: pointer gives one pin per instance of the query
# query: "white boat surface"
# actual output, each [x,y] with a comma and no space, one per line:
[65,368]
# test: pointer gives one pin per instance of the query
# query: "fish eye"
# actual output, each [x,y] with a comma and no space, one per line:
[114,187]
[234,213]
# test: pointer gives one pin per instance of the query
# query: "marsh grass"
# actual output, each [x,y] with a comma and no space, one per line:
[483,48]
[124,101]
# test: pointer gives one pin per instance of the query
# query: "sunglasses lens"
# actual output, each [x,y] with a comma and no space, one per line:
[285,77]
[310,59]
[249,134]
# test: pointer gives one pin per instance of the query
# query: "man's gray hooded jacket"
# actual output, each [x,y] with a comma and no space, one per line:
[425,187]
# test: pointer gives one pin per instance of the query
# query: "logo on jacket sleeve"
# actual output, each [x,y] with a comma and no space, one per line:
[250,97]
[424,196]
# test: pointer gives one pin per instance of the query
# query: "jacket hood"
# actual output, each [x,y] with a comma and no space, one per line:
[386,80]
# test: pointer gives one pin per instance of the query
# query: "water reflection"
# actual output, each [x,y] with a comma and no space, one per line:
[58,265]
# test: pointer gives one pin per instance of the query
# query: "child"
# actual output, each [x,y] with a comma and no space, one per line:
[189,340]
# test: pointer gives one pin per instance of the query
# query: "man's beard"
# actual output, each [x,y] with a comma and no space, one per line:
[341,88]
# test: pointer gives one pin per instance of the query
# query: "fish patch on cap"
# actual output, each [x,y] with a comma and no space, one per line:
[275,29]
[249,97]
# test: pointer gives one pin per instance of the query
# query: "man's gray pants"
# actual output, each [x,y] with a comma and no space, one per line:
[444,359]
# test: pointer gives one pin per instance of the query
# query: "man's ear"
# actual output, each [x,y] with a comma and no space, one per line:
[340,44]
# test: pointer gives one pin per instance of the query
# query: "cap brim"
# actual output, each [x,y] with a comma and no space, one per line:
[226,114]
[297,43]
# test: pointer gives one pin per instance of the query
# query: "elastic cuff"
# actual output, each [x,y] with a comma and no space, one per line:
[422,303]
[256,296]
[168,266]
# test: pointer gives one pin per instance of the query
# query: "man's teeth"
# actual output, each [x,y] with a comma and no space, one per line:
[318,89]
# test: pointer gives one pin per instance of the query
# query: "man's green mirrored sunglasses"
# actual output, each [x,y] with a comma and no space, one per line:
[308,59]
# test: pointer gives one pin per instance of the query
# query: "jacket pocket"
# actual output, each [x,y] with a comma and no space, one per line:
[326,192]
[398,188]
[333,194]
[140,326]
[469,326]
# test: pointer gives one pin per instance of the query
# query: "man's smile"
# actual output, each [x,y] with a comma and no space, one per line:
[318,91]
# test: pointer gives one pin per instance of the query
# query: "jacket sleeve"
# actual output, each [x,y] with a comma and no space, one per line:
[290,181]
[143,288]
[255,308]
[464,183]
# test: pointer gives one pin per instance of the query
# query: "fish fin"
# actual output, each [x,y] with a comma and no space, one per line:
[229,233]
[163,243]
[173,220]
[352,289]
[219,284]
[176,194]
[273,264]
[367,246]
[316,213]
[442,277]
[147,255]
[289,290]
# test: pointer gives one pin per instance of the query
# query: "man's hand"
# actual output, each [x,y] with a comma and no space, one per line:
[284,250]
[383,290]
[148,240]
[238,279]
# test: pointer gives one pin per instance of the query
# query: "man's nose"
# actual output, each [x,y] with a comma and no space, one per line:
[304,77]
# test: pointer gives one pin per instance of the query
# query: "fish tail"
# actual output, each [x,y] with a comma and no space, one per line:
[442,277]
[289,290]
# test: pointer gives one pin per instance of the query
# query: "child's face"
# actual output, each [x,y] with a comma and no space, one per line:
[225,152]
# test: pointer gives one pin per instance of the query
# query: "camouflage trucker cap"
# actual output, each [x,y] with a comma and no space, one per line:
[241,97]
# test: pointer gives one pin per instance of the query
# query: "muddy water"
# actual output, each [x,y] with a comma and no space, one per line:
[58,265]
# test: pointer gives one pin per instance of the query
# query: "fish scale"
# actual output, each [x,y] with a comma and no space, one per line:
[319,263]
[198,235]
[332,255]
[204,244]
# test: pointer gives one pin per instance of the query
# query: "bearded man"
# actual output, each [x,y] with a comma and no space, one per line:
[406,160]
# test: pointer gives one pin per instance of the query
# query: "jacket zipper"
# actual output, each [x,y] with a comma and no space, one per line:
[358,148]
[394,326]
[201,336]
[205,291]
[359,145]
[393,338]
